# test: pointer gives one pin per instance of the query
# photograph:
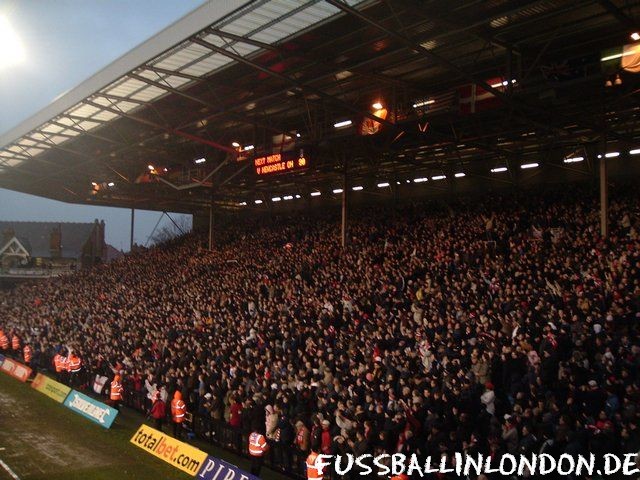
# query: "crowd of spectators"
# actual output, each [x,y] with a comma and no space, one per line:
[493,325]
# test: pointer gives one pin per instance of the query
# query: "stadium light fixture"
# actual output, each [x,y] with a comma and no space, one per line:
[573,159]
[344,123]
[423,103]
[611,154]
[11,48]
[198,161]
[235,144]
[357,188]
[298,134]
[298,195]
[525,166]
[635,151]
[288,197]
[258,202]
[377,106]
[420,180]
[618,55]
[248,148]
[316,194]
[498,169]
[438,177]
[460,175]
[635,36]
[276,199]
[503,83]
[337,190]
[242,204]
[383,184]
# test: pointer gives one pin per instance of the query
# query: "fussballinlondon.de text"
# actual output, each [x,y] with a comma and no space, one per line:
[463,464]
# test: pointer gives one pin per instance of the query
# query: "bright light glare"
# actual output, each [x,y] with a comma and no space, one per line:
[383,184]
[573,160]
[337,190]
[11,49]
[635,151]
[612,154]
[316,194]
[459,174]
[357,188]
[528,165]
[439,177]
[344,123]
[498,169]
[635,36]
[377,106]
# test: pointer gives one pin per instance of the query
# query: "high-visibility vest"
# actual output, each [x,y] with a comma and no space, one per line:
[257,444]
[4,341]
[116,391]
[57,362]
[15,343]
[178,410]
[26,352]
[73,364]
[313,472]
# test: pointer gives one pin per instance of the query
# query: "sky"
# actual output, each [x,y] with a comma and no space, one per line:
[65,42]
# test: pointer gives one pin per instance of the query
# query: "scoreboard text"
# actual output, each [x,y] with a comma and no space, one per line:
[279,163]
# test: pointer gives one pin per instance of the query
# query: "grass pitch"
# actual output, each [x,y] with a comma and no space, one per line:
[42,440]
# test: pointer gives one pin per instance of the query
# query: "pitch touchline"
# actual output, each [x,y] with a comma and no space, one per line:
[11,472]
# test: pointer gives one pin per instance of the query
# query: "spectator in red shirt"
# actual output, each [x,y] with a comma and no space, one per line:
[158,410]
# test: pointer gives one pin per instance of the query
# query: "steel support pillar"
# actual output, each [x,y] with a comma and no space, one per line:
[211,226]
[133,216]
[345,190]
[604,198]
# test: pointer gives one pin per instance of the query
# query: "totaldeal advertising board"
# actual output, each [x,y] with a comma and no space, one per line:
[92,409]
[179,454]
[215,469]
[52,389]
[15,369]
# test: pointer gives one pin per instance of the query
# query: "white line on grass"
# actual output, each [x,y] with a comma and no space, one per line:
[9,471]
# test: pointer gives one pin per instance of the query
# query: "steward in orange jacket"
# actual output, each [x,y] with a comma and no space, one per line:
[116,392]
[27,354]
[178,412]
[258,446]
[4,340]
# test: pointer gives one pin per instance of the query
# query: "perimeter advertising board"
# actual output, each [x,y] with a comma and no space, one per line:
[179,454]
[215,469]
[92,409]
[52,389]
[15,369]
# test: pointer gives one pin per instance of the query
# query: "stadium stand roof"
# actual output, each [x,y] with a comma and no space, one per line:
[465,86]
